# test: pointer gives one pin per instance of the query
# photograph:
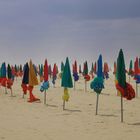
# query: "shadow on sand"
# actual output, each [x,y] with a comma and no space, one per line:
[107,115]
[136,124]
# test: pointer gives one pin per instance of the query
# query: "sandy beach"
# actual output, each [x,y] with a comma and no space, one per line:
[20,120]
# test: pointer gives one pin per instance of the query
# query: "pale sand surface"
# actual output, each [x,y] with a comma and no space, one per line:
[20,120]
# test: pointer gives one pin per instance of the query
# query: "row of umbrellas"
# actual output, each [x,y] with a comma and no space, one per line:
[30,71]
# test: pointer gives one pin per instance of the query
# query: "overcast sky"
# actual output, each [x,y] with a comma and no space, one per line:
[80,29]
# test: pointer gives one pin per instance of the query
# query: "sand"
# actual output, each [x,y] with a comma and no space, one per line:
[20,120]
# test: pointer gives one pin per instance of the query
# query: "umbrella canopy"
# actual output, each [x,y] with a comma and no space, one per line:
[66,78]
[115,68]
[121,75]
[95,68]
[85,71]
[136,67]
[92,68]
[25,79]
[106,68]
[80,70]
[3,70]
[62,66]
[41,70]
[130,68]
[32,75]
[9,72]
[99,71]
[54,70]
[46,71]
[75,67]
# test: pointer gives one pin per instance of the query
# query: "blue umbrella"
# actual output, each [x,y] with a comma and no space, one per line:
[3,70]
[98,83]
[100,69]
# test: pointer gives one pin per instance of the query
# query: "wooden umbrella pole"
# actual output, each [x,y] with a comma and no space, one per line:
[121,108]
[97,101]
[23,96]
[85,86]
[5,90]
[45,97]
[74,84]
[11,92]
[136,90]
[63,104]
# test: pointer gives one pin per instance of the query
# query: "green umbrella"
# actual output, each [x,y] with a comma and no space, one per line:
[66,78]
[121,76]
[130,69]
[66,81]
[9,72]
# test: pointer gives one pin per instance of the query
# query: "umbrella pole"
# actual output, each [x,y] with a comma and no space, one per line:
[23,96]
[121,108]
[64,105]
[74,84]
[45,97]
[11,92]
[136,90]
[5,90]
[85,86]
[97,100]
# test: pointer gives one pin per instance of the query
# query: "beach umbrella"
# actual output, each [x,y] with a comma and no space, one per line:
[85,74]
[95,68]
[137,74]
[4,76]
[45,84]
[75,73]
[92,70]
[33,81]
[21,71]
[25,80]
[106,70]
[122,86]
[80,69]
[9,80]
[54,74]
[130,73]
[66,81]
[98,83]
[115,68]
[62,69]
[41,73]
[50,71]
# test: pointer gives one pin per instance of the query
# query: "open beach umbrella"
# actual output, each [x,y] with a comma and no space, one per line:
[98,83]
[66,81]
[124,88]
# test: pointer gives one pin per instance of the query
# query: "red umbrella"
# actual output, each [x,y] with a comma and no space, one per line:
[46,71]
